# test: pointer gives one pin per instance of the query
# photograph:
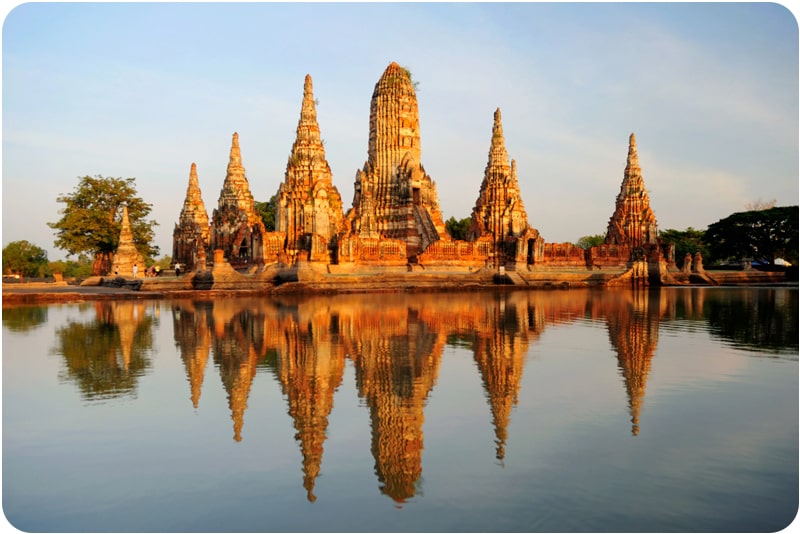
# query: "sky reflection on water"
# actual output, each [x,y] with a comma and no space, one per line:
[510,411]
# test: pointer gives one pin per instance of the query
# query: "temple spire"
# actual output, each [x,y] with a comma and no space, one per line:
[191,233]
[235,161]
[394,120]
[497,152]
[632,168]
[308,142]
[125,234]
[499,211]
[194,209]
[308,202]
[194,183]
[308,113]
[236,189]
[394,197]
[633,222]
[236,227]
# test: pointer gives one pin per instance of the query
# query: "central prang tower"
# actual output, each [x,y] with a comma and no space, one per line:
[394,197]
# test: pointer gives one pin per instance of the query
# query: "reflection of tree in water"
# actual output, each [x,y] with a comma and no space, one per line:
[24,318]
[764,320]
[106,356]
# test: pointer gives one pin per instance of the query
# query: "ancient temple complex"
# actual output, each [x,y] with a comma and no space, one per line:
[395,223]
[309,209]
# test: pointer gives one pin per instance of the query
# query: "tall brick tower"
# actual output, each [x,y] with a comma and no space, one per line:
[394,196]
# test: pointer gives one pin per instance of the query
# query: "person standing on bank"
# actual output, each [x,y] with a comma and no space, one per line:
[135,269]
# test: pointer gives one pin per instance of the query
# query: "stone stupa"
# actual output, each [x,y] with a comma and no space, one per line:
[127,256]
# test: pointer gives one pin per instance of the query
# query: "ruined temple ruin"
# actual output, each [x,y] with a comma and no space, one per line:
[395,213]
[499,214]
[190,238]
[633,222]
[309,207]
[127,256]
[395,223]
[632,230]
[236,228]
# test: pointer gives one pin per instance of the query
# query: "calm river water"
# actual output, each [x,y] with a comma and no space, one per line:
[579,410]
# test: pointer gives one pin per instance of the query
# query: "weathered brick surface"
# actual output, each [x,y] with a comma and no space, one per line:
[190,238]
[309,210]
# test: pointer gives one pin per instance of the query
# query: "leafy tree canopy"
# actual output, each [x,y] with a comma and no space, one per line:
[22,257]
[82,268]
[589,241]
[92,217]
[268,210]
[689,241]
[458,228]
[761,235]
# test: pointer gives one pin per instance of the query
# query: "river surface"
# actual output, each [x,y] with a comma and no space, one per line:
[512,411]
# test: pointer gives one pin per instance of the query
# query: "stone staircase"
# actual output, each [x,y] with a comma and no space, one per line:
[516,279]
[425,226]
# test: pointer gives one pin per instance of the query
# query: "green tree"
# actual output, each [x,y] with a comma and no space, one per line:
[414,83]
[761,235]
[589,241]
[92,219]
[689,241]
[458,228]
[82,268]
[164,262]
[268,211]
[25,259]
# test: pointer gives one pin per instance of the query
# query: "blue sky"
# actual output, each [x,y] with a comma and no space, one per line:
[143,90]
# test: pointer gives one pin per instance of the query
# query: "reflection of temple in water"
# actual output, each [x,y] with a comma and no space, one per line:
[310,369]
[192,330]
[395,344]
[236,346]
[397,360]
[499,337]
[633,331]
[106,356]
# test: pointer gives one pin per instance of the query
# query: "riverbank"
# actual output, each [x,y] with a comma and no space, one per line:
[230,283]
